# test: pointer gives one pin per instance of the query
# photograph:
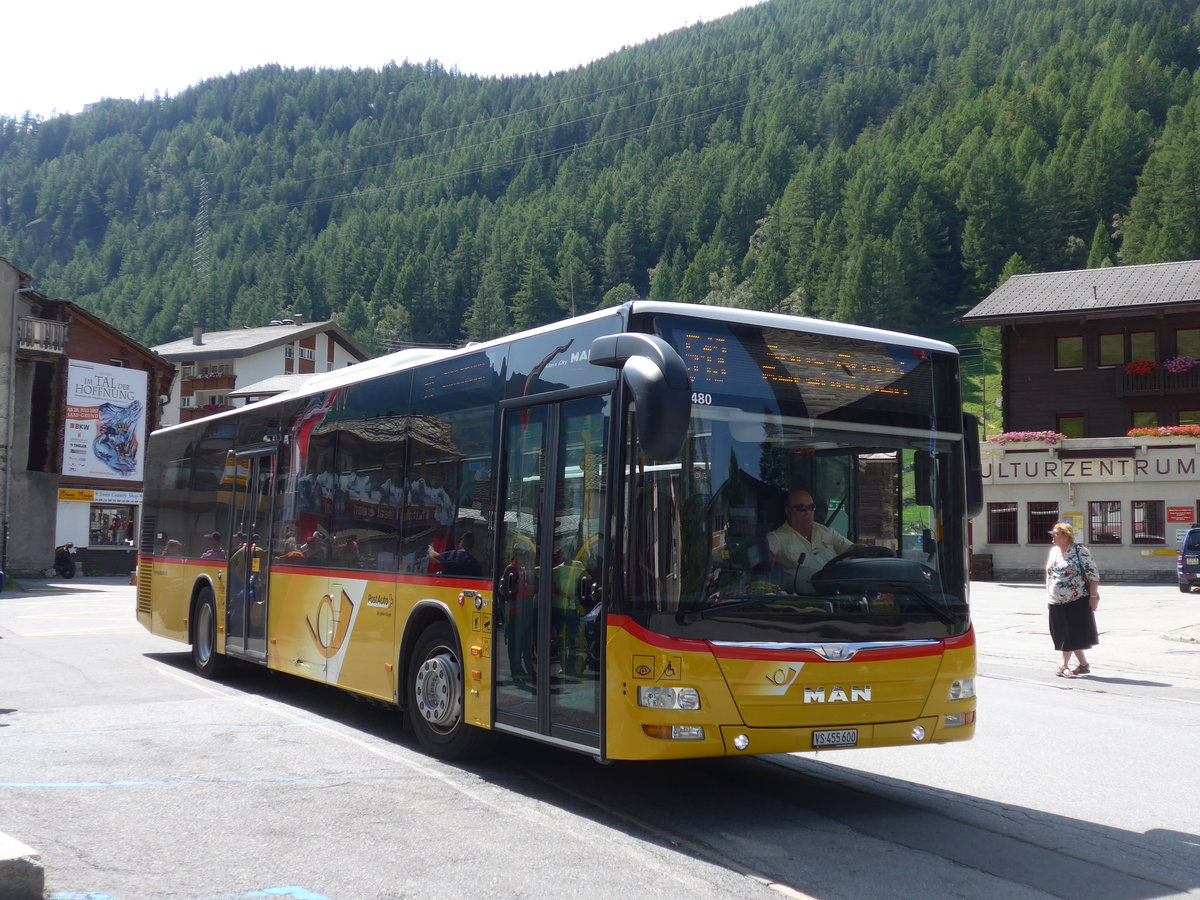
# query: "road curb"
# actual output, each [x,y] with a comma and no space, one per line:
[21,874]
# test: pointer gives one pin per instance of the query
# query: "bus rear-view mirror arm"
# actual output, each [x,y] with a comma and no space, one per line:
[657,378]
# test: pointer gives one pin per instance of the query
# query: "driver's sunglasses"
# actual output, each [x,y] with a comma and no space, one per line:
[803,507]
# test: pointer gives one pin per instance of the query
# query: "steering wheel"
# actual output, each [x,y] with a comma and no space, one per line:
[861,551]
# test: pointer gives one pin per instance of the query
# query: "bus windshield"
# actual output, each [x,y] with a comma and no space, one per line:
[805,508]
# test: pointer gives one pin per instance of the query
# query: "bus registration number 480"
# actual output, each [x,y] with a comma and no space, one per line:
[845,737]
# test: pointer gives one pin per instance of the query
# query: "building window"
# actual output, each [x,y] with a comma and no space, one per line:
[1042,516]
[1145,418]
[1068,352]
[1189,417]
[1002,523]
[1187,342]
[289,352]
[1111,350]
[119,363]
[185,402]
[1142,346]
[1149,521]
[112,526]
[306,353]
[1070,424]
[1104,522]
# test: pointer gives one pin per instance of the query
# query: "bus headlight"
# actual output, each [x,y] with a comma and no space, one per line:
[656,697]
[963,689]
[675,732]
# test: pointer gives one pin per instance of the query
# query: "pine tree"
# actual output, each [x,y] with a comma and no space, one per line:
[1102,252]
[534,303]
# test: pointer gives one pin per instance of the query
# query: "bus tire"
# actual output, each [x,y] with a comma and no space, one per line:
[205,658]
[435,692]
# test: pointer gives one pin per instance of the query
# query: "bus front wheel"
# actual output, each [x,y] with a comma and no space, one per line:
[435,696]
[204,635]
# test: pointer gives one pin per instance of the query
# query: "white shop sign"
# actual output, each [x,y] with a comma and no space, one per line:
[1011,469]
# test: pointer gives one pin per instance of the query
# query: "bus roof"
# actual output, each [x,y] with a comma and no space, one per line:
[796,323]
[406,359]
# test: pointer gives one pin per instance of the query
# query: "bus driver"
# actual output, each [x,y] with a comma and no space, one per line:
[801,546]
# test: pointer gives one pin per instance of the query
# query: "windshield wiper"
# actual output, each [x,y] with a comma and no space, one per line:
[695,615]
[934,607]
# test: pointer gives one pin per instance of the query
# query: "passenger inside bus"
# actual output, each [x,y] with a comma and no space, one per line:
[458,561]
[316,548]
[345,553]
[801,546]
[517,592]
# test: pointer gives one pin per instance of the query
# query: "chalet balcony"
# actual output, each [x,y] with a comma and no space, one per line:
[1157,384]
[207,381]
[41,335]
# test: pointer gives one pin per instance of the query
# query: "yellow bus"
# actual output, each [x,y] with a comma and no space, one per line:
[578,534]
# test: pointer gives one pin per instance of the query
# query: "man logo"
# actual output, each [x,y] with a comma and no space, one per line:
[838,694]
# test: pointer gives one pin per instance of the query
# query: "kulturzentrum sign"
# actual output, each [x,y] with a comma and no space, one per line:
[1171,465]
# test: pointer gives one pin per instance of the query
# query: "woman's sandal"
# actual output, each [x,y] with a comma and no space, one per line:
[1064,672]
[1085,669]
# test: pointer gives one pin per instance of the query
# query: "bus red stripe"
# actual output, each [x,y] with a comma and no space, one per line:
[390,577]
[694,646]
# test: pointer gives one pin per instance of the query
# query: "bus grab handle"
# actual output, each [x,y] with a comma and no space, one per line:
[658,379]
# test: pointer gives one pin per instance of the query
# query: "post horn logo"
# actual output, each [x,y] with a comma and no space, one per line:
[329,632]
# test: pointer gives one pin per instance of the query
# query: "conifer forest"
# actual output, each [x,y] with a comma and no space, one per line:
[885,162]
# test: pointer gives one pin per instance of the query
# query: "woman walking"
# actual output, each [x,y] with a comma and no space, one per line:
[1073,587]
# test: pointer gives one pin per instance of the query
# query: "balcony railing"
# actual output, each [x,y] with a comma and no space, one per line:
[1157,383]
[41,335]
[208,381]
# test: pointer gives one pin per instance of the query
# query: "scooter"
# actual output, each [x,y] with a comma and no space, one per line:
[64,560]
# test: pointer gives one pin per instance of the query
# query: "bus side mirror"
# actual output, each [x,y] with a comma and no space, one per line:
[657,377]
[974,465]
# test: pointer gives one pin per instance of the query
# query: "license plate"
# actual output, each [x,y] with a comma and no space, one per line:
[846,737]
[1191,560]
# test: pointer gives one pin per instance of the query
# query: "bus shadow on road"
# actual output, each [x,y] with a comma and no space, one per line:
[371,717]
[797,821]
[752,814]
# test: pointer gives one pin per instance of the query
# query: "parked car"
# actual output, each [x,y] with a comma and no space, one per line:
[1188,565]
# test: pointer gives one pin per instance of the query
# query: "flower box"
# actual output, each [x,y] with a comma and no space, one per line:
[1141,367]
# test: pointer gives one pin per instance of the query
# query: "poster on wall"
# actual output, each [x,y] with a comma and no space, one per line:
[105,421]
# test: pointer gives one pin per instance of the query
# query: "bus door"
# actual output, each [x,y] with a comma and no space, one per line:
[547,627]
[249,557]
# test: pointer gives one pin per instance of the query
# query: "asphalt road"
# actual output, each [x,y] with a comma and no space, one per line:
[136,779]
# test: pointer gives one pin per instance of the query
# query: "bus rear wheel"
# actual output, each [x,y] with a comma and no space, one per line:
[435,696]
[204,635]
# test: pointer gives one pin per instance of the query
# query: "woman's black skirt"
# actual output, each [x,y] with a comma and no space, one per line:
[1073,625]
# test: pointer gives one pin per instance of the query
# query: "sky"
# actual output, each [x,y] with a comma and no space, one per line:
[59,56]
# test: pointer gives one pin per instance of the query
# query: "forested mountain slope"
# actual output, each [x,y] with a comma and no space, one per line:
[875,161]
